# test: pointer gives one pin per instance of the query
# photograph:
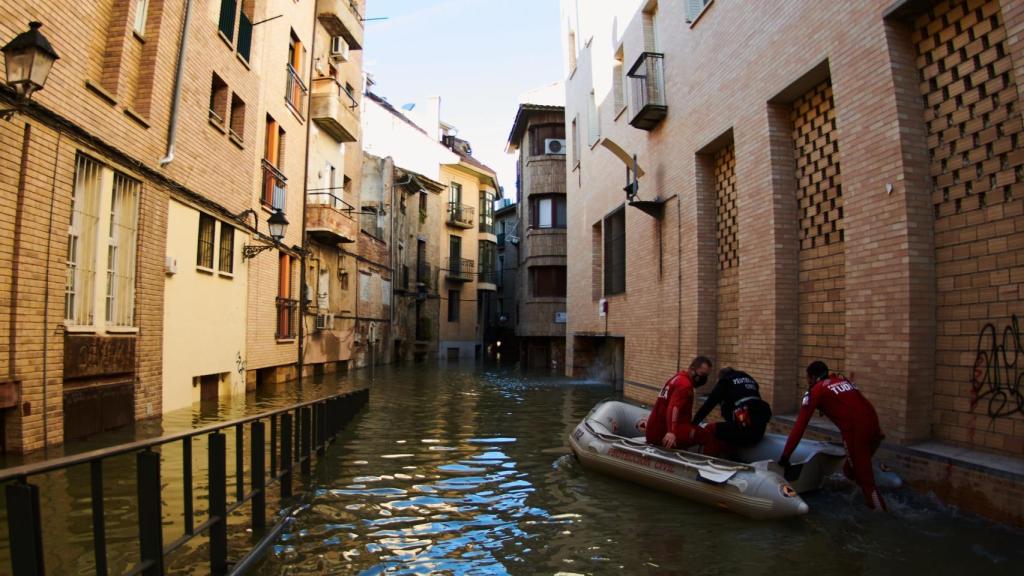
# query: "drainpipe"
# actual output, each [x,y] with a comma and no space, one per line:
[305,185]
[172,129]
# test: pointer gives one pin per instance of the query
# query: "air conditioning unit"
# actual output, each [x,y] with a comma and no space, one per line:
[324,321]
[554,146]
[339,49]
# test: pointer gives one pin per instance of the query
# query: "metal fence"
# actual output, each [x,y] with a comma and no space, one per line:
[294,433]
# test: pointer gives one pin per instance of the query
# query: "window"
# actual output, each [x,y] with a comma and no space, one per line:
[385,293]
[364,286]
[121,244]
[593,121]
[694,8]
[547,281]
[487,211]
[296,89]
[227,249]
[547,211]
[453,305]
[81,271]
[245,29]
[423,206]
[540,134]
[274,183]
[141,12]
[575,141]
[204,253]
[615,253]
[226,24]
[323,289]
[286,305]
[455,193]
[487,253]
[237,128]
[218,100]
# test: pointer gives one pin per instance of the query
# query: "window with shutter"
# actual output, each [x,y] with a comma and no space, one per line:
[615,253]
[694,8]
[226,25]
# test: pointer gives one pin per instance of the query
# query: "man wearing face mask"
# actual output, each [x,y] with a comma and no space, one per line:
[669,422]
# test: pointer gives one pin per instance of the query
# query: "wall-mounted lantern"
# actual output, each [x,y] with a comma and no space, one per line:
[28,60]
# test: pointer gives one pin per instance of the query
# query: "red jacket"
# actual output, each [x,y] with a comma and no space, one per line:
[676,393]
[842,403]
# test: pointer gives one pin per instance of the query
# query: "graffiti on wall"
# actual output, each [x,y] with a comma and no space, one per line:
[998,375]
[88,355]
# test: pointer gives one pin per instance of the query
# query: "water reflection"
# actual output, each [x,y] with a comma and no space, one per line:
[468,472]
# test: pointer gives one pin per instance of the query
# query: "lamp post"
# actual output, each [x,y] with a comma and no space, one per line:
[28,60]
[277,224]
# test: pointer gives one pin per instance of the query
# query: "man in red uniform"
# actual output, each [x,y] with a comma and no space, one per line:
[841,402]
[669,423]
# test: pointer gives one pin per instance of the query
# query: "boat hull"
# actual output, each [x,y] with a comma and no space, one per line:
[753,490]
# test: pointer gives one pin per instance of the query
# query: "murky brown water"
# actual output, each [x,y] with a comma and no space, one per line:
[466,470]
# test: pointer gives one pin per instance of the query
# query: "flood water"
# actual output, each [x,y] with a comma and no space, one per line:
[467,470]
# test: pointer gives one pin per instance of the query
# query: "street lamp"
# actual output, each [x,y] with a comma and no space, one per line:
[28,59]
[277,224]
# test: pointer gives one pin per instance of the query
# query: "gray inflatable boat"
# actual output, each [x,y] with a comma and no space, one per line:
[611,440]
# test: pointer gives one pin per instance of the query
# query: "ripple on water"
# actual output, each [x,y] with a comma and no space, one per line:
[485,493]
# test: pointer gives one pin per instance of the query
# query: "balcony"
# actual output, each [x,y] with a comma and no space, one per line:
[460,215]
[287,313]
[488,277]
[341,18]
[329,219]
[460,269]
[275,187]
[424,276]
[334,110]
[647,103]
[295,92]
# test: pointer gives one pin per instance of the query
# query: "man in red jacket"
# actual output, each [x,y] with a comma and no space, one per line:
[841,402]
[669,422]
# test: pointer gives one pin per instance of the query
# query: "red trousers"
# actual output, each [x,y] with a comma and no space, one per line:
[861,444]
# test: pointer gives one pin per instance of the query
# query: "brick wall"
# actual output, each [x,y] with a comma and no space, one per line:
[972,111]
[820,209]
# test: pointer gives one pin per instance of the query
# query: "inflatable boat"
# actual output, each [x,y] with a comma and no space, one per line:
[611,440]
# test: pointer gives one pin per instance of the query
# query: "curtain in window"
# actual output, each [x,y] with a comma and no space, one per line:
[121,249]
[79,288]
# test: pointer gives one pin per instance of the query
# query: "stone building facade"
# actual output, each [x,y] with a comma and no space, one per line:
[334,180]
[538,136]
[856,201]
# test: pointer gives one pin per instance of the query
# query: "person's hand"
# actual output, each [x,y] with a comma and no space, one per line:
[669,441]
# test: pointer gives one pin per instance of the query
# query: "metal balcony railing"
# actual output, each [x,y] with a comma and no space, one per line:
[460,214]
[460,269]
[294,433]
[425,275]
[275,186]
[287,314]
[488,276]
[295,92]
[330,199]
[647,102]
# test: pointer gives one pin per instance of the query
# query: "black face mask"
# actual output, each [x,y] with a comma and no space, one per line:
[700,379]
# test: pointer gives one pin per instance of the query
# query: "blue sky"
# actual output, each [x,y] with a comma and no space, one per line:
[478,55]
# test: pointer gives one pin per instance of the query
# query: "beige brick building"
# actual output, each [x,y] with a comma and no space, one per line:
[96,164]
[852,194]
